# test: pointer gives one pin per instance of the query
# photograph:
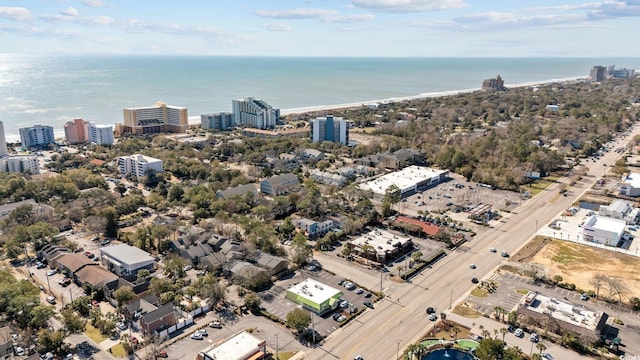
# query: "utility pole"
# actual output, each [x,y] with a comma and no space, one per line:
[398,349]
[451,298]
[277,345]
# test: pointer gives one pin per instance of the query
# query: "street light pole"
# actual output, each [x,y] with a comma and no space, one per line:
[277,345]
[451,298]
[398,350]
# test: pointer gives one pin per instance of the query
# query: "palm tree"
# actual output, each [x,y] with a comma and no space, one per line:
[542,347]
[504,332]
[455,331]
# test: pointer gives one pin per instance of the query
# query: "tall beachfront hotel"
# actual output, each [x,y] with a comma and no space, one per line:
[254,113]
[37,136]
[155,119]
[331,129]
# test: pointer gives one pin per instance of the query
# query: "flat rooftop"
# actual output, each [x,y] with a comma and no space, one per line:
[314,290]
[405,179]
[606,224]
[564,311]
[632,179]
[381,240]
[241,346]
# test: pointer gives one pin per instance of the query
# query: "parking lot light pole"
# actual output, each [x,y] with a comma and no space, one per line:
[398,349]
[277,345]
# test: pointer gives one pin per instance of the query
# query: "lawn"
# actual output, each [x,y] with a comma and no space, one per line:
[479,292]
[118,350]
[464,310]
[539,185]
[285,355]
[94,334]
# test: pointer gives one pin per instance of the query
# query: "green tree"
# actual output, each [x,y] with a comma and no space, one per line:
[40,316]
[300,250]
[50,341]
[123,295]
[110,216]
[73,323]
[490,349]
[298,320]
[174,267]
[252,301]
[211,289]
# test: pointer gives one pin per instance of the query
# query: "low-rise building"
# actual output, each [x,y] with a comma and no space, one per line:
[158,319]
[20,164]
[94,277]
[380,246]
[409,179]
[6,343]
[279,184]
[585,323]
[620,209]
[630,184]
[273,264]
[603,230]
[239,190]
[123,259]
[328,178]
[313,229]
[242,346]
[314,296]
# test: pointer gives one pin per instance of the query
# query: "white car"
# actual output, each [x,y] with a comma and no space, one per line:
[433,317]
[518,332]
[472,266]
[52,272]
[51,300]
[19,351]
[534,337]
[358,291]
[196,336]
[121,325]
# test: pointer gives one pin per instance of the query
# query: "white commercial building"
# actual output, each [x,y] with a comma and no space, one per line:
[254,113]
[100,134]
[242,346]
[314,295]
[123,259]
[620,209]
[411,178]
[603,230]
[139,165]
[20,164]
[630,184]
[380,245]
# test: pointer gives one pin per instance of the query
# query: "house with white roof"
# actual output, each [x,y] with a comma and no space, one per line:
[411,178]
[603,230]
[620,209]
[242,346]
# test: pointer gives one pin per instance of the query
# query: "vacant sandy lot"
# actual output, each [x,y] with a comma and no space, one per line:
[578,264]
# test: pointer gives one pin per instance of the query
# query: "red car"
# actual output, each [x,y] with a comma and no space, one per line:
[87,253]
[134,340]
[162,354]
[95,303]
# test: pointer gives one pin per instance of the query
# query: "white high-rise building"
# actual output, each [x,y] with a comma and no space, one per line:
[3,142]
[331,129]
[20,164]
[254,113]
[36,136]
[100,134]
[139,165]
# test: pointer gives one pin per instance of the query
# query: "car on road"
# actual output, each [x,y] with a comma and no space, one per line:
[493,250]
[196,336]
[433,317]
[472,266]
[52,272]
[474,280]
[534,337]
[518,333]
[431,310]
[51,300]
[504,254]
[359,357]
[216,324]
[368,304]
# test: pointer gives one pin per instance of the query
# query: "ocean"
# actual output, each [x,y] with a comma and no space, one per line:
[54,89]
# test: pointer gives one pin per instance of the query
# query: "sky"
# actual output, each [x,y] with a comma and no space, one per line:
[334,28]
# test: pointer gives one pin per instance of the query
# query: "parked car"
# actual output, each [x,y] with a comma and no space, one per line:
[433,317]
[518,333]
[52,272]
[162,354]
[40,265]
[474,280]
[216,324]
[504,254]
[359,357]
[368,304]
[19,351]
[584,297]
[534,337]
[95,303]
[493,250]
[431,310]
[472,266]
[134,340]
[202,332]
[51,300]
[367,295]
[344,304]
[121,325]
[358,291]
[336,316]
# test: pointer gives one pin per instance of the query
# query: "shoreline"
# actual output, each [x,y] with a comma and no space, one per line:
[195,119]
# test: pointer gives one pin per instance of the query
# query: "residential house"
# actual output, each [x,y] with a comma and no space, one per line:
[138,285]
[313,229]
[95,277]
[240,190]
[69,264]
[312,154]
[158,319]
[279,184]
[400,159]
[50,252]
[6,343]
[274,264]
[136,308]
[328,178]
[244,270]
[194,253]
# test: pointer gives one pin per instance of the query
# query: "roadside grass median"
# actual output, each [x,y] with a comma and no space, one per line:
[94,334]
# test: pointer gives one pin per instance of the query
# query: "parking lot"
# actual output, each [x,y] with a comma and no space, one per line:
[457,191]
[275,302]
[507,297]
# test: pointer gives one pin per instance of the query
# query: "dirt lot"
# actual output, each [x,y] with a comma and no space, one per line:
[578,264]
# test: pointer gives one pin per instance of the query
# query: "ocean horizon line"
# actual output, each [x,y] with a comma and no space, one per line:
[195,119]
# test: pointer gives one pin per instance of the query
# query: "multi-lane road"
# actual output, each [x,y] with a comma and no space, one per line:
[400,320]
